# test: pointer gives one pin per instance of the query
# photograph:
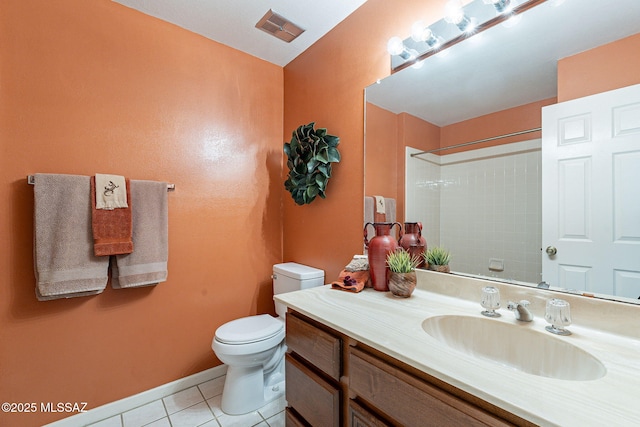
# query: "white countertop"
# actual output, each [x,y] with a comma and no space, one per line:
[394,326]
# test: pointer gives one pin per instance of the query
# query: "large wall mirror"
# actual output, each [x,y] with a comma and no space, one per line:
[482,199]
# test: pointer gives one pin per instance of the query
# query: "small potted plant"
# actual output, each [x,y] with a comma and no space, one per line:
[402,280]
[437,259]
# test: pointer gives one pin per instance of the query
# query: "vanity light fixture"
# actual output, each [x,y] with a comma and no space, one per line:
[454,14]
[502,6]
[438,37]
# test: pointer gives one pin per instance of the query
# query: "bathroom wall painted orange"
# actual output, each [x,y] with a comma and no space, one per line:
[417,133]
[92,86]
[387,134]
[612,66]
[381,169]
[326,84]
[524,117]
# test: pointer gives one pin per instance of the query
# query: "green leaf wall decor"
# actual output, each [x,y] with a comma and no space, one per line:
[309,157]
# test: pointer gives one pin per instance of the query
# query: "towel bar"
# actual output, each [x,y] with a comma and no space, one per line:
[31,180]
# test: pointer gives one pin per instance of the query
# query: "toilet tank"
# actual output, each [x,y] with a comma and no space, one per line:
[290,276]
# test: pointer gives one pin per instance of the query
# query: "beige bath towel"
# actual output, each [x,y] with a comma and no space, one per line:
[64,263]
[147,265]
[371,214]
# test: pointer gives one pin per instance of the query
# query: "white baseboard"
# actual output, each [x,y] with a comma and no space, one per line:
[114,408]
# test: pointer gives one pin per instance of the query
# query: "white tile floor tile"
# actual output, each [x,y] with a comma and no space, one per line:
[144,414]
[214,404]
[212,388]
[182,400]
[271,409]
[198,406]
[277,420]
[195,415]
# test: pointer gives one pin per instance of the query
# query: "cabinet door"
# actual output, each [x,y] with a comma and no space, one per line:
[315,345]
[317,401]
[407,400]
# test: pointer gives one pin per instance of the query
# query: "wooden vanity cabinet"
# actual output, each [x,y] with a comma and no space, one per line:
[333,380]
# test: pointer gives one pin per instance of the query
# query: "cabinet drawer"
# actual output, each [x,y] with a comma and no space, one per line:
[317,401]
[291,420]
[360,417]
[315,345]
[408,400]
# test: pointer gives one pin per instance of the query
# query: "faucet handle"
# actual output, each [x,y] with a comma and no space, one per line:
[558,313]
[490,301]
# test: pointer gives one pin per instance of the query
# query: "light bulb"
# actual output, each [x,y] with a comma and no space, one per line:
[420,33]
[395,46]
[454,14]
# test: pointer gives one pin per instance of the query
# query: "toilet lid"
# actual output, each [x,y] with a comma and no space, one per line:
[249,329]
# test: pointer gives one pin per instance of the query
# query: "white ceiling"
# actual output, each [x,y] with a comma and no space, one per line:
[505,67]
[232,22]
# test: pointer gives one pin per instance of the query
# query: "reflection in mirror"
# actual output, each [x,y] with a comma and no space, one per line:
[483,201]
[491,207]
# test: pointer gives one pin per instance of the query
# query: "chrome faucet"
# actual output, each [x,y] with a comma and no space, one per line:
[521,310]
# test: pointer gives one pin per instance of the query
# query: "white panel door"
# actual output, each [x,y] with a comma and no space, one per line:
[591,193]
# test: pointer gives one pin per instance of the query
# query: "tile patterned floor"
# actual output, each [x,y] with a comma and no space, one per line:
[198,406]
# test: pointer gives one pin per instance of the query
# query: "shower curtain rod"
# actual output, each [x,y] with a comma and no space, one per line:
[31,180]
[464,144]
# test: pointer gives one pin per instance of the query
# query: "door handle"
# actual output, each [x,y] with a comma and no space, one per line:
[551,250]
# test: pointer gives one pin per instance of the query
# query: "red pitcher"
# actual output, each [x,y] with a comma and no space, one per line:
[378,248]
[413,242]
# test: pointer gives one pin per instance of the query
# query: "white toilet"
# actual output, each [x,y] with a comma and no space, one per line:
[253,347]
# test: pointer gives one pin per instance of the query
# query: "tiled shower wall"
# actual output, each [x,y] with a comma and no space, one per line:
[484,206]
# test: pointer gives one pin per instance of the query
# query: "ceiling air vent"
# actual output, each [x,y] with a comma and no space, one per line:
[279,26]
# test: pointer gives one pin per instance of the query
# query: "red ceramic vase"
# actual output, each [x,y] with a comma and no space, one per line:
[378,248]
[413,242]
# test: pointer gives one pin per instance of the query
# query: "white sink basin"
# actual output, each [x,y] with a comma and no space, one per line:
[516,347]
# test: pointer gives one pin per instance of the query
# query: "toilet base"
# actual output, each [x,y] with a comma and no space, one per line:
[246,389]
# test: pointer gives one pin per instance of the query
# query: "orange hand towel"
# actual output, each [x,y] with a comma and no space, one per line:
[112,229]
[352,281]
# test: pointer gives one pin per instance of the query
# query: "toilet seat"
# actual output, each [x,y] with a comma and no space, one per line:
[248,330]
